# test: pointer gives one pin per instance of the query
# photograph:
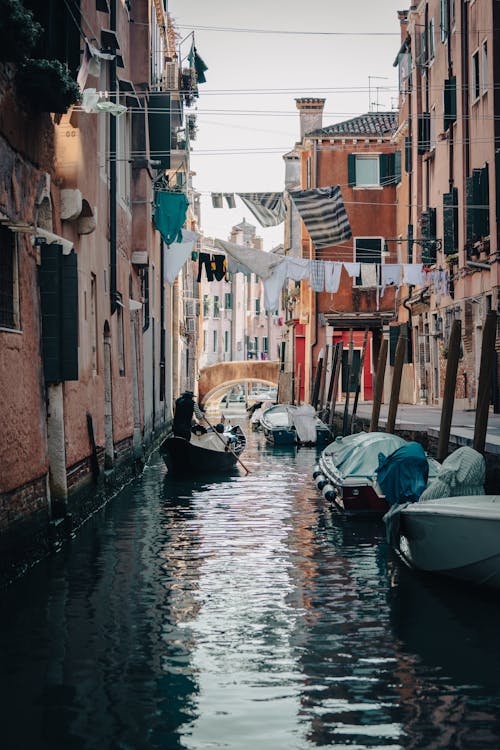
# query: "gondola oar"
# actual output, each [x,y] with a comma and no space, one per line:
[227,446]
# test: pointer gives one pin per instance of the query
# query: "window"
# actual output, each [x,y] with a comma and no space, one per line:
[216,306]
[121,340]
[257,305]
[432,131]
[367,170]
[228,301]
[204,341]
[9,280]
[308,173]
[256,344]
[265,344]
[226,341]
[123,158]
[215,341]
[443,7]
[206,306]
[475,76]
[484,66]
[367,250]
[431,40]
[453,13]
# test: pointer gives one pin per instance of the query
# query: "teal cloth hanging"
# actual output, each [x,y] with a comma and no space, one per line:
[170,215]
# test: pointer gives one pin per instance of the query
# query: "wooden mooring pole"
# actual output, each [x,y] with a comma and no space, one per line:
[379,385]
[345,421]
[396,380]
[485,380]
[335,384]
[358,379]
[450,382]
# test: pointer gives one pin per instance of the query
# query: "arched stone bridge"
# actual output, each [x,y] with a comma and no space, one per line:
[223,375]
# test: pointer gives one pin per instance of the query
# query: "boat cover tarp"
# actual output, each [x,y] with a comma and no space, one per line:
[209,441]
[358,455]
[462,473]
[403,475]
[305,421]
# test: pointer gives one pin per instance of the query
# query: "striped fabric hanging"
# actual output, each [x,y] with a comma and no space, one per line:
[268,208]
[322,211]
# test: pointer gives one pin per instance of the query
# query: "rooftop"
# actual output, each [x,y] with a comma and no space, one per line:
[371,123]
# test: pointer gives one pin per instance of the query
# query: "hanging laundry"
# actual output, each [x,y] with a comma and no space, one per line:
[414,274]
[257,261]
[317,275]
[217,200]
[353,269]
[215,267]
[333,272]
[298,269]
[177,254]
[369,274]
[230,200]
[170,215]
[268,208]
[392,274]
[322,211]
[234,267]
[273,286]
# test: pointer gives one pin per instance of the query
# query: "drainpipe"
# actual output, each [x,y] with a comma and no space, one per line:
[427,167]
[450,74]
[465,85]
[112,173]
[314,296]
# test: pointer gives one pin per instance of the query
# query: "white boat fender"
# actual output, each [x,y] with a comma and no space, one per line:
[316,471]
[329,492]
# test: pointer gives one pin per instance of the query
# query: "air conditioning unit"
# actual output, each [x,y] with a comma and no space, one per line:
[170,76]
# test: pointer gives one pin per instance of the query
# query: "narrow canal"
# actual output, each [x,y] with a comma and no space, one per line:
[242,614]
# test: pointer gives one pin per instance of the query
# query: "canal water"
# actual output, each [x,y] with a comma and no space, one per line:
[242,614]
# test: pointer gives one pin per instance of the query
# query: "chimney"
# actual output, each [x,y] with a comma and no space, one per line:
[311,115]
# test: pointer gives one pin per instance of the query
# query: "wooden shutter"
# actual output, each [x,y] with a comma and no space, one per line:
[397,167]
[408,160]
[424,130]
[470,216]
[351,170]
[450,102]
[69,317]
[387,169]
[450,222]
[484,201]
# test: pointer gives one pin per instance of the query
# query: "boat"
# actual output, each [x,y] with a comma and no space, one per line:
[346,472]
[453,536]
[286,424]
[209,453]
[454,528]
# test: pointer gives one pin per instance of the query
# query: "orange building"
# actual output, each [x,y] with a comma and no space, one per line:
[359,156]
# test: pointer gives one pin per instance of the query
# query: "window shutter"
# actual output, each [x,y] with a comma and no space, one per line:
[69,317]
[351,170]
[397,167]
[424,129]
[410,243]
[450,102]
[387,169]
[469,198]
[408,153]
[50,286]
[450,222]
[484,200]
[159,128]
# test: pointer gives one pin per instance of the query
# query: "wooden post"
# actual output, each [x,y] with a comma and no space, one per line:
[358,379]
[396,379]
[348,379]
[336,373]
[450,382]
[379,385]
[335,354]
[323,381]
[485,380]
[317,380]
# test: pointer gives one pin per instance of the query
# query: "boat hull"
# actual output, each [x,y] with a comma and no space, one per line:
[183,458]
[457,537]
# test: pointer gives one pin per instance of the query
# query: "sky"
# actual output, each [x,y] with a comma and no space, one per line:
[261,56]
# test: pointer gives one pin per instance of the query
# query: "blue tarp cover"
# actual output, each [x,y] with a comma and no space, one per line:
[403,474]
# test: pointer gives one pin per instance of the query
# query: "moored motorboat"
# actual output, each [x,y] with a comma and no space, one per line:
[286,424]
[346,473]
[454,536]
[210,453]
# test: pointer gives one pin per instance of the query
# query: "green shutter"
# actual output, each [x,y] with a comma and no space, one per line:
[387,169]
[50,297]
[449,246]
[484,200]
[69,317]
[351,170]
[469,198]
[424,123]
[159,128]
[450,102]
[410,243]
[408,159]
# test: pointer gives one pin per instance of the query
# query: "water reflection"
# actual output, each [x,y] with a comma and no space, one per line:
[241,612]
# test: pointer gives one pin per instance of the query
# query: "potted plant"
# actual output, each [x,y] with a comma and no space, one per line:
[46,86]
[19,31]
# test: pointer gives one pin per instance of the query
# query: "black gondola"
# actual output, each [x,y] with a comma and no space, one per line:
[203,454]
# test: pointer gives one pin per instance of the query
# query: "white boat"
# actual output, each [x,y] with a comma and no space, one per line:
[285,424]
[455,536]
